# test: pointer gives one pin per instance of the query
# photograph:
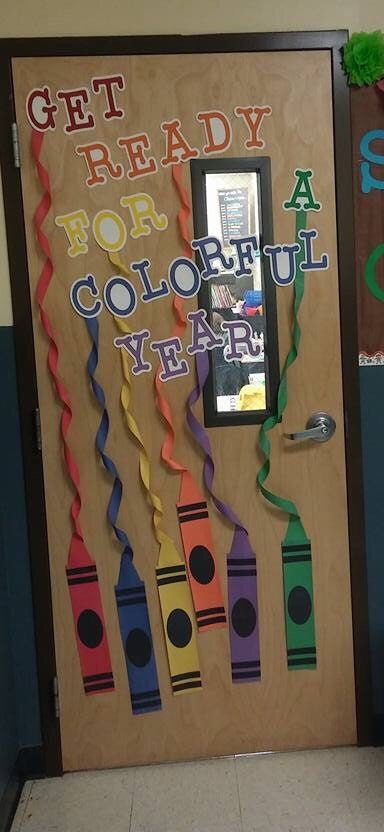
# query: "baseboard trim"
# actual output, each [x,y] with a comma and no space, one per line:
[29,764]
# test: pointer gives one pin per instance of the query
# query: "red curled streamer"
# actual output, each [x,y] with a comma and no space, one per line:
[53,353]
[81,571]
[195,527]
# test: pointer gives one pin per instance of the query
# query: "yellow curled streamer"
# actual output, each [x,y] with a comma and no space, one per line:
[167,545]
[173,588]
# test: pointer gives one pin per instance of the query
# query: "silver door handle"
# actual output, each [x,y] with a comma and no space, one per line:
[320,427]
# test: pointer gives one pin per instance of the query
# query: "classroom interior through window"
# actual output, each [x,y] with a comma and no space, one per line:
[233,210]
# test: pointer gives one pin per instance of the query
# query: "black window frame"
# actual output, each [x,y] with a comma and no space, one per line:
[262,166]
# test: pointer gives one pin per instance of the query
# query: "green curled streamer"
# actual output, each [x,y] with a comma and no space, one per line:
[296,546]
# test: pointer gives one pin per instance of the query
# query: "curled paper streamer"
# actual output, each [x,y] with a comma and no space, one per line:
[174,593]
[241,560]
[195,526]
[132,607]
[88,616]
[296,547]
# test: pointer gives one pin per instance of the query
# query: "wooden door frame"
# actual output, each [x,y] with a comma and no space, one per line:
[330,41]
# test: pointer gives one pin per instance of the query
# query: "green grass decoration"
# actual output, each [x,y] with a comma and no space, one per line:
[363,58]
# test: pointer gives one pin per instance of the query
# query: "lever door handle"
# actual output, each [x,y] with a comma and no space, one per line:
[320,427]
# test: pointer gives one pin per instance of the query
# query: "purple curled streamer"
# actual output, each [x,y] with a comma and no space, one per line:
[202,368]
[241,561]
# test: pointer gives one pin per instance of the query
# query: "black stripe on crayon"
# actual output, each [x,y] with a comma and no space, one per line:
[130,602]
[186,686]
[238,665]
[218,619]
[176,579]
[79,570]
[101,686]
[213,610]
[296,558]
[149,694]
[241,561]
[122,592]
[168,570]
[201,515]
[151,703]
[97,677]
[301,547]
[298,662]
[251,674]
[191,507]
[194,674]
[90,580]
[295,651]
[241,573]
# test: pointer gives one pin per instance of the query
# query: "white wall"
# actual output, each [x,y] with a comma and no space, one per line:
[40,18]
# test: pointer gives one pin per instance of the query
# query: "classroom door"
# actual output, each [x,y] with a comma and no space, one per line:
[101,138]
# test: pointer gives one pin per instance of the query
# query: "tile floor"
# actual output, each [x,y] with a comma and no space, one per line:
[340,790]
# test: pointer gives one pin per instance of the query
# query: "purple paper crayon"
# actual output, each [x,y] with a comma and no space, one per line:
[243,610]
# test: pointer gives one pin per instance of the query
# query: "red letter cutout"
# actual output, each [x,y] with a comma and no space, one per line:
[77,118]
[108,82]
[40,109]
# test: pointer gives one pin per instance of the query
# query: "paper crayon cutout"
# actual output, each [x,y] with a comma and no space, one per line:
[92,645]
[131,600]
[136,636]
[91,639]
[298,600]
[197,540]
[243,610]
[179,625]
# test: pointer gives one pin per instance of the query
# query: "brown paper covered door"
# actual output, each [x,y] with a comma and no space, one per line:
[303,709]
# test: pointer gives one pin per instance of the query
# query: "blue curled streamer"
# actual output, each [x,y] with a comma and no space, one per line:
[101,438]
[131,600]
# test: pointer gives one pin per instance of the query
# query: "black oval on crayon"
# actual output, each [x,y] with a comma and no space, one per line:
[138,647]
[90,628]
[243,617]
[201,564]
[299,605]
[179,628]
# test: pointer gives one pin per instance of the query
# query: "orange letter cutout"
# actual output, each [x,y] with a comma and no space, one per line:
[217,130]
[253,117]
[140,164]
[98,155]
[177,147]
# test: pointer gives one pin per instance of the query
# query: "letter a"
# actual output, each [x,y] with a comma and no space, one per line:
[302,198]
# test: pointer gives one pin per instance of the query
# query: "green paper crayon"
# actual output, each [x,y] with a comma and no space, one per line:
[298,602]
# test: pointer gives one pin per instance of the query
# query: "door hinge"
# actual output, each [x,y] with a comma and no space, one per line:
[56,701]
[37,424]
[16,145]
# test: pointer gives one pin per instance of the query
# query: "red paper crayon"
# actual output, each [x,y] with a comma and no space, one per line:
[92,644]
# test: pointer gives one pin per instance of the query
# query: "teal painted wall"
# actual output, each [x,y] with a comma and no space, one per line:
[19,704]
